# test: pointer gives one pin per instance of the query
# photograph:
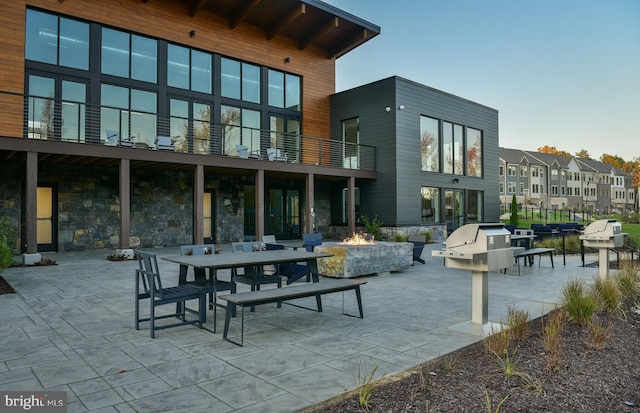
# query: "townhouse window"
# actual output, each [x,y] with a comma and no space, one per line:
[430,144]
[430,204]
[570,191]
[563,190]
[554,174]
[501,187]
[512,187]
[534,172]
[535,188]
[501,170]
[521,188]
[523,171]
[56,40]
[563,175]
[129,56]
[189,69]
[554,190]
[511,170]
[240,80]
[577,191]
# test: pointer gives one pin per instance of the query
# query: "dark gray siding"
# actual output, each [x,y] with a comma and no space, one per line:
[395,196]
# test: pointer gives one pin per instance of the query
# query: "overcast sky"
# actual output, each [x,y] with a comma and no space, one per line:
[563,73]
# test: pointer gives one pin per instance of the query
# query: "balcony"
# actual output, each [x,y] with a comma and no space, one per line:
[43,118]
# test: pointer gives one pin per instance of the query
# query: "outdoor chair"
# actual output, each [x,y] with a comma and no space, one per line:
[418,241]
[291,271]
[243,152]
[209,285]
[311,240]
[253,275]
[275,154]
[148,286]
[165,143]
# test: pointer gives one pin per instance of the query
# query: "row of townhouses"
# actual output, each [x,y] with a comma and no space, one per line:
[564,182]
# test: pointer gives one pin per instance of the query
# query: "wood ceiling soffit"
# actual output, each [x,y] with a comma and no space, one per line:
[242,14]
[196,6]
[349,44]
[286,21]
[322,31]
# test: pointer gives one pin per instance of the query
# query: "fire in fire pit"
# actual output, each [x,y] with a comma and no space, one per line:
[358,239]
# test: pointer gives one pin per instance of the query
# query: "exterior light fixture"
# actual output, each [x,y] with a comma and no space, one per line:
[287,59]
[192,33]
[388,109]
[456,180]
[401,107]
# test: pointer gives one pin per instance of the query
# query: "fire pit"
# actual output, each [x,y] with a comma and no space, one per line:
[360,256]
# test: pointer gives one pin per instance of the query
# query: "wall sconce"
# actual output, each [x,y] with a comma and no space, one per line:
[401,107]
[192,33]
[287,60]
[456,180]
[388,109]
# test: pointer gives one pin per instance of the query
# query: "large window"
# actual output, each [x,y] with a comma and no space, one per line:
[189,69]
[129,56]
[129,113]
[430,204]
[475,206]
[350,140]
[241,127]
[57,40]
[429,144]
[284,90]
[240,80]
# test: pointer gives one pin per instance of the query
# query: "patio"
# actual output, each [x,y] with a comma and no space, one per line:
[70,328]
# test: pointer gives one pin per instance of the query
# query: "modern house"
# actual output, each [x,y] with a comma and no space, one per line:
[152,123]
[558,182]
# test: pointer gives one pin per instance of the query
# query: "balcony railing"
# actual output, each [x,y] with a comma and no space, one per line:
[68,121]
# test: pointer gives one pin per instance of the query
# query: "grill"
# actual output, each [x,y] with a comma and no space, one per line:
[480,248]
[603,234]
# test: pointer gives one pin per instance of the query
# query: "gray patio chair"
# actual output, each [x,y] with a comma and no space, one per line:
[253,275]
[148,286]
[418,241]
[210,285]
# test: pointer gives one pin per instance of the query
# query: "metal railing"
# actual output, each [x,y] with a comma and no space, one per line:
[37,117]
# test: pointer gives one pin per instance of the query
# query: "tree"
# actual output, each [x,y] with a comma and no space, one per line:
[584,154]
[614,160]
[551,150]
[513,219]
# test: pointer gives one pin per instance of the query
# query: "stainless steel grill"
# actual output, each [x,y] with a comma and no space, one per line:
[478,247]
[603,234]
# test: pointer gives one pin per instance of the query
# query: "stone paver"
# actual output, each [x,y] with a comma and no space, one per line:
[71,328]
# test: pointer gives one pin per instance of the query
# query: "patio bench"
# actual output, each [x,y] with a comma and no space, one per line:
[277,295]
[531,253]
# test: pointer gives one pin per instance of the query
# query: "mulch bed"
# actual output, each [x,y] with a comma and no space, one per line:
[5,287]
[588,380]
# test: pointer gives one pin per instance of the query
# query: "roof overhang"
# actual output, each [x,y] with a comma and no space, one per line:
[308,22]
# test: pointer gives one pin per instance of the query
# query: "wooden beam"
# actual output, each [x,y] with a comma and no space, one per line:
[198,205]
[348,44]
[196,6]
[259,200]
[316,35]
[286,21]
[310,213]
[242,14]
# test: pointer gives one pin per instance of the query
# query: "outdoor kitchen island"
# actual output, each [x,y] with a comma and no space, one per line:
[374,257]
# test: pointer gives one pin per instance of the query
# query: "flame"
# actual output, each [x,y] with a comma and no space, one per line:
[358,239]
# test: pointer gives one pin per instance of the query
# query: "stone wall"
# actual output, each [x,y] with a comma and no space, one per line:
[12,174]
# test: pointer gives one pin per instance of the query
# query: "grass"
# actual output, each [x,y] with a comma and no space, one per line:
[553,339]
[365,385]
[581,304]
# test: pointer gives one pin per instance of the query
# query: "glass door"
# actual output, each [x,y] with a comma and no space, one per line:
[283,219]
[190,126]
[454,209]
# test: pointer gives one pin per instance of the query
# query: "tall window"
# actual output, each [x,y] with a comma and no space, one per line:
[430,204]
[56,40]
[129,56]
[189,69]
[475,205]
[429,144]
[350,140]
[474,152]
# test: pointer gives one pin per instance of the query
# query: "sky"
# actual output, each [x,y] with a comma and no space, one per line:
[563,73]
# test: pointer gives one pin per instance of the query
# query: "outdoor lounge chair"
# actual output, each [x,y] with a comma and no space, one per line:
[253,275]
[418,241]
[275,154]
[164,143]
[243,152]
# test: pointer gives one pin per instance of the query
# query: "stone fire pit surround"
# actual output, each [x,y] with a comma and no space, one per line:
[349,261]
